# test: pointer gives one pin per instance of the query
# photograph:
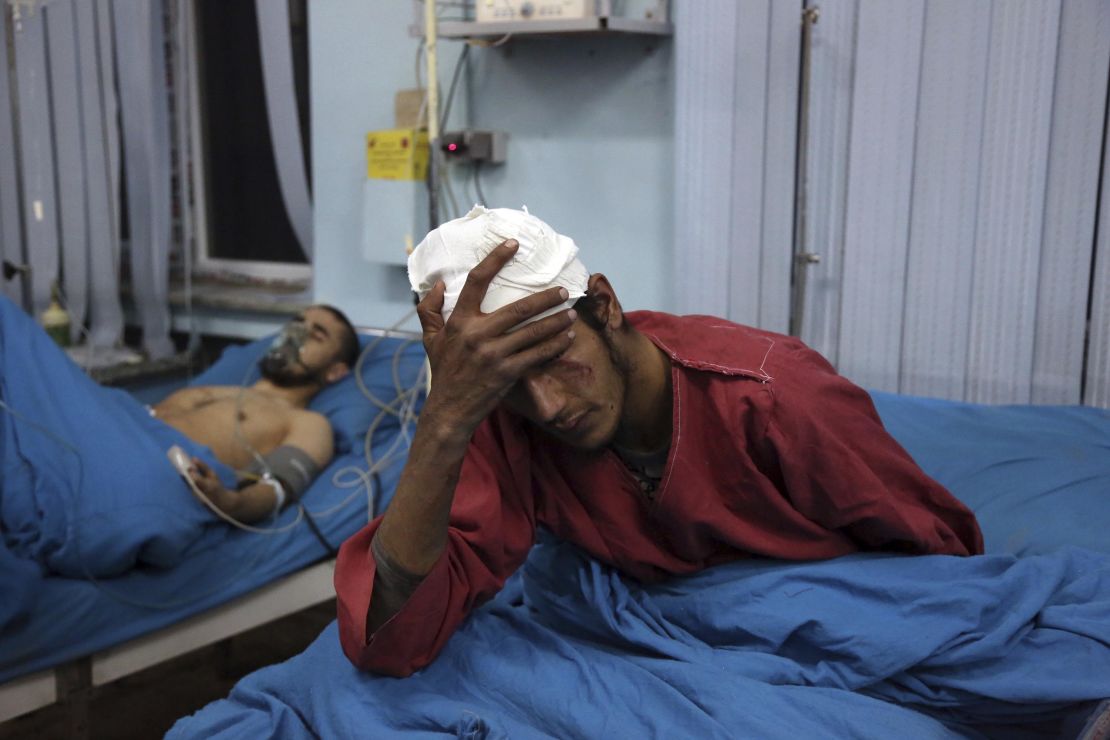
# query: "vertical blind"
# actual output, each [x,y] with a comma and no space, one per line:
[954,170]
[87,132]
[736,82]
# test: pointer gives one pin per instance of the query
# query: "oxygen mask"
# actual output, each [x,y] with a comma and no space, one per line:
[285,351]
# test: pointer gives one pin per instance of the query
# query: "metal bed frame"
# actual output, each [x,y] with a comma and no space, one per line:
[72,683]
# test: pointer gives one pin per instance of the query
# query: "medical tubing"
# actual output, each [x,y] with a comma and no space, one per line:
[363,478]
[318,534]
[407,415]
[402,406]
[366,353]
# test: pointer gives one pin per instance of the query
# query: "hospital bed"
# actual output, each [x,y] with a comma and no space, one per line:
[201,581]
[1015,643]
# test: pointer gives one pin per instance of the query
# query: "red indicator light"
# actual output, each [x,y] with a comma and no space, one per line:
[452,147]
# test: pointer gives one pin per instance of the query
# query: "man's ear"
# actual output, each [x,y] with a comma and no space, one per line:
[609,311]
[336,372]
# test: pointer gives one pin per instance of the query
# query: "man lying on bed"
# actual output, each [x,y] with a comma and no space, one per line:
[278,441]
[659,444]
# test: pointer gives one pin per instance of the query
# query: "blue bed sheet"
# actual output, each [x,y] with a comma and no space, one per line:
[1037,477]
[862,646]
[1012,644]
[47,618]
[86,488]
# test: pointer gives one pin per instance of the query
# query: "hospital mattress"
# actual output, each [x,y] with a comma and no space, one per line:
[1015,643]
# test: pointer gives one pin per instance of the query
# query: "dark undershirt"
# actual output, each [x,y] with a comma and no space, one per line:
[646,469]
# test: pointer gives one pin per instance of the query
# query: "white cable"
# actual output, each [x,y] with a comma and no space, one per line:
[366,353]
[406,413]
[407,417]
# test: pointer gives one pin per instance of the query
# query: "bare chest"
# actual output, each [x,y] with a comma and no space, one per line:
[233,423]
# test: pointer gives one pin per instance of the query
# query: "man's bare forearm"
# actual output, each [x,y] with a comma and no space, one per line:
[413,532]
[247,505]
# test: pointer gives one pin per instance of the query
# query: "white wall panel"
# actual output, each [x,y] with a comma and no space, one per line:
[36,156]
[65,98]
[145,125]
[1070,208]
[735,131]
[830,95]
[705,90]
[1097,388]
[102,162]
[11,232]
[780,154]
[950,189]
[880,176]
[1011,200]
[749,133]
[945,198]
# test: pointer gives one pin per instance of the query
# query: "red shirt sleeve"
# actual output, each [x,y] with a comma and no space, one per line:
[492,528]
[842,469]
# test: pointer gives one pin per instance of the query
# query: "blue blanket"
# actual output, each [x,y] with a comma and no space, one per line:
[1011,644]
[863,646]
[86,487]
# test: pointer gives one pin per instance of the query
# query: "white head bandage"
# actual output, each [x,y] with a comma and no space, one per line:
[544,259]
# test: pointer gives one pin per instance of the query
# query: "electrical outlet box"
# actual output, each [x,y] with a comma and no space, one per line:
[470,145]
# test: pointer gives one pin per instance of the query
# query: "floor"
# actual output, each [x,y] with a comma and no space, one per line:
[146,704]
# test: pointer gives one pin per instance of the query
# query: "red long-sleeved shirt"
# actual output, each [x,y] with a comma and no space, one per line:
[772,455]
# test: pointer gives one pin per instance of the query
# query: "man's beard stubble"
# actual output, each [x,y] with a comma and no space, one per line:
[286,377]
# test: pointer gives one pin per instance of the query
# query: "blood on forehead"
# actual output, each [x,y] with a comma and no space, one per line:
[566,367]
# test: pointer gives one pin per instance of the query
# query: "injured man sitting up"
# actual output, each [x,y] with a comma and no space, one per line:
[659,444]
[265,430]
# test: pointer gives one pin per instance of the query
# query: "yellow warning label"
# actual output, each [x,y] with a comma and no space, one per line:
[397,154]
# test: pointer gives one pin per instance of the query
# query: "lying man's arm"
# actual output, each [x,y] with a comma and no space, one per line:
[284,473]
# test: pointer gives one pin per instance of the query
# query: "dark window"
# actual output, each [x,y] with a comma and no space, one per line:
[246,215]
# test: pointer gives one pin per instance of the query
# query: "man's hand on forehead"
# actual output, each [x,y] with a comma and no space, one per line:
[475,361]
